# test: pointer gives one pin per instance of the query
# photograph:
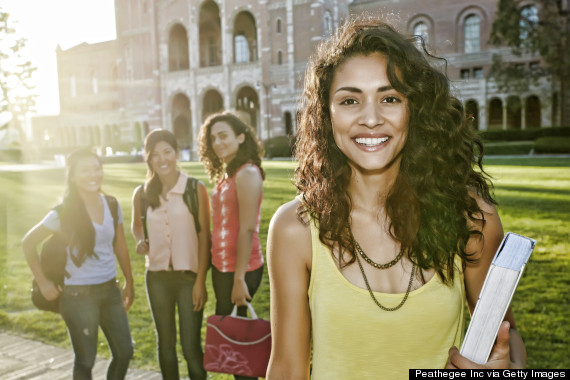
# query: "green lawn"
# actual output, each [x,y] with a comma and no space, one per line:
[534,197]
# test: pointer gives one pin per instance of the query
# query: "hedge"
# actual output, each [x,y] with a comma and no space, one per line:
[508,148]
[11,155]
[523,134]
[552,145]
[279,146]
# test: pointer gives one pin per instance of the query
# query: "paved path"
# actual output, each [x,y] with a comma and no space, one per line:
[28,359]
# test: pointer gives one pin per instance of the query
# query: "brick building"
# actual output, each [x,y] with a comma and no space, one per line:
[174,62]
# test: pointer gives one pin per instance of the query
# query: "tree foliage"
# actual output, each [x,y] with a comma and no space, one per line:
[17,96]
[542,35]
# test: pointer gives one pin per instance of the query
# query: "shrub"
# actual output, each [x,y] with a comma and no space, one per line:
[552,145]
[279,146]
[11,155]
[523,134]
[508,148]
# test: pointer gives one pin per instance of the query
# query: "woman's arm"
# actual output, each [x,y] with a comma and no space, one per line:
[199,292]
[289,256]
[136,223]
[122,253]
[249,187]
[31,240]
[509,350]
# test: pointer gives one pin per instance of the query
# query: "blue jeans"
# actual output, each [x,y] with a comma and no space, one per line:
[86,307]
[223,283]
[166,291]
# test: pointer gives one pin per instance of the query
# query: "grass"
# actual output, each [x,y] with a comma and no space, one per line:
[534,197]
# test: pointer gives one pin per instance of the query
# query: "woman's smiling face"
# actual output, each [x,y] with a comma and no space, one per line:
[88,175]
[224,141]
[163,158]
[369,117]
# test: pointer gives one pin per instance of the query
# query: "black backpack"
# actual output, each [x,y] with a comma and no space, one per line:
[53,258]
[190,197]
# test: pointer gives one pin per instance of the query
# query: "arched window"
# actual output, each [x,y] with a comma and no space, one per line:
[532,112]
[178,57]
[278,26]
[527,23]
[495,114]
[210,35]
[245,38]
[421,29]
[241,47]
[327,24]
[471,34]
[279,57]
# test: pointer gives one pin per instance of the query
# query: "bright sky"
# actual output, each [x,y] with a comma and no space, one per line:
[47,23]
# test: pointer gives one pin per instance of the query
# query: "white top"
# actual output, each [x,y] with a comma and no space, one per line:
[94,270]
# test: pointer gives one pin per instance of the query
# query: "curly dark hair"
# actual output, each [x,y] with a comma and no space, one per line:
[250,151]
[429,203]
[153,185]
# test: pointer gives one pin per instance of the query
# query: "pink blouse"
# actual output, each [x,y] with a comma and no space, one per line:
[225,215]
[171,233]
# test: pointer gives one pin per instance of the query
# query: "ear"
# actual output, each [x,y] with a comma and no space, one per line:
[241,138]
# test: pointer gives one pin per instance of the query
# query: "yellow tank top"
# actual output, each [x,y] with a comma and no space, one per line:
[354,339]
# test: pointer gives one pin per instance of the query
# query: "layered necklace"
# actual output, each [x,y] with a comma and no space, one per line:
[381,266]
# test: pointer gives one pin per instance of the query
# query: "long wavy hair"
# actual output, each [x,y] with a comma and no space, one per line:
[76,225]
[250,151]
[153,185]
[428,206]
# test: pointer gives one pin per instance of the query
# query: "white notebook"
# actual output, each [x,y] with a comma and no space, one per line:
[498,289]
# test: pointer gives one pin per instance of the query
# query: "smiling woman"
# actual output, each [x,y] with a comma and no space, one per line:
[393,230]
[231,153]
[177,251]
[92,227]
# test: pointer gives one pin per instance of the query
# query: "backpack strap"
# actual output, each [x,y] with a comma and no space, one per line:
[63,242]
[143,208]
[191,199]
[114,207]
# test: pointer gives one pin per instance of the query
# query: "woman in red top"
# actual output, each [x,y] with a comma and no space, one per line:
[231,154]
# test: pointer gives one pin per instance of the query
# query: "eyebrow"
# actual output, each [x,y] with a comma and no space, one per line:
[357,90]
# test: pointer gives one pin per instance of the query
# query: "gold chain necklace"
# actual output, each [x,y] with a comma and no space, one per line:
[376,265]
[370,289]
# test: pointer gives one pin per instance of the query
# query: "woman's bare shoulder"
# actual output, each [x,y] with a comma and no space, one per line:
[291,231]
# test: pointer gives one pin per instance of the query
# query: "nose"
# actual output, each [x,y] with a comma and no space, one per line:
[216,142]
[371,115]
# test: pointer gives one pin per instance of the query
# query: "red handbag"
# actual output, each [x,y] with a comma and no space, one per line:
[237,345]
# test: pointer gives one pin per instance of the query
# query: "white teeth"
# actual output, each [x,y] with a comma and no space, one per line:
[368,141]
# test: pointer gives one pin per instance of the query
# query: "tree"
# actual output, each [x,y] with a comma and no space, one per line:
[540,30]
[17,98]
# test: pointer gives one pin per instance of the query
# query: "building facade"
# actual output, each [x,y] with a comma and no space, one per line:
[174,62]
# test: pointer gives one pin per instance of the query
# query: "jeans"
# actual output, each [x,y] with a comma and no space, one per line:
[167,290]
[86,307]
[223,283]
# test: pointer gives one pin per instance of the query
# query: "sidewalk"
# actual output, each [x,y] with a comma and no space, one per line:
[22,358]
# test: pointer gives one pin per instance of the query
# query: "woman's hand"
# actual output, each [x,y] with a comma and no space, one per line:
[142,247]
[498,359]
[49,290]
[240,293]
[199,295]
[128,295]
